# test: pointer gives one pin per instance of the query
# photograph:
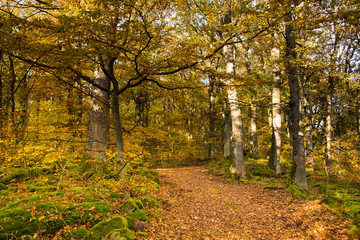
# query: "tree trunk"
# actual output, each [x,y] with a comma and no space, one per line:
[98,125]
[12,87]
[358,117]
[12,102]
[119,166]
[227,132]
[1,96]
[272,140]
[276,115]
[298,174]
[24,118]
[328,155]
[211,135]
[238,164]
[141,108]
[308,126]
[288,121]
[253,130]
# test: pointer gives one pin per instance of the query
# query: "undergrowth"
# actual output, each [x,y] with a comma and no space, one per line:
[49,201]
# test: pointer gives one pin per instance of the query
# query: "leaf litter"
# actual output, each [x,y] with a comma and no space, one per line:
[197,205]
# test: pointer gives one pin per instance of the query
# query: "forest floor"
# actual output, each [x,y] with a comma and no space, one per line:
[198,205]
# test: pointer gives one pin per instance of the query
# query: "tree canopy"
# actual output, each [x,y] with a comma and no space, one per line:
[160,67]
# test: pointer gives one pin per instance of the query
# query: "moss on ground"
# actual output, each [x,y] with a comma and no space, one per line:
[150,202]
[101,229]
[139,215]
[50,200]
[129,206]
[76,234]
[19,221]
[354,232]
[132,208]
[121,234]
[151,174]
[49,217]
[3,186]
[139,203]
[143,234]
[297,192]
[259,167]
[131,222]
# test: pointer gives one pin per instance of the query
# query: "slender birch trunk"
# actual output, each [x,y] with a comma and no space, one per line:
[298,174]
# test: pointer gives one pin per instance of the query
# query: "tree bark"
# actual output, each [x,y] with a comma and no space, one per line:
[298,174]
[211,135]
[1,96]
[272,140]
[98,125]
[227,132]
[141,108]
[24,103]
[12,86]
[253,129]
[119,166]
[309,149]
[276,115]
[238,165]
[328,155]
[358,117]
[12,102]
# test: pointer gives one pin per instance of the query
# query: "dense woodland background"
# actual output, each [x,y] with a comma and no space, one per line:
[108,86]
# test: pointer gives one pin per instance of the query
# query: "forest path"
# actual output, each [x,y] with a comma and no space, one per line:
[201,206]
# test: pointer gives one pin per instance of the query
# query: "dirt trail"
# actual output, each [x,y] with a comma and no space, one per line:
[200,206]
